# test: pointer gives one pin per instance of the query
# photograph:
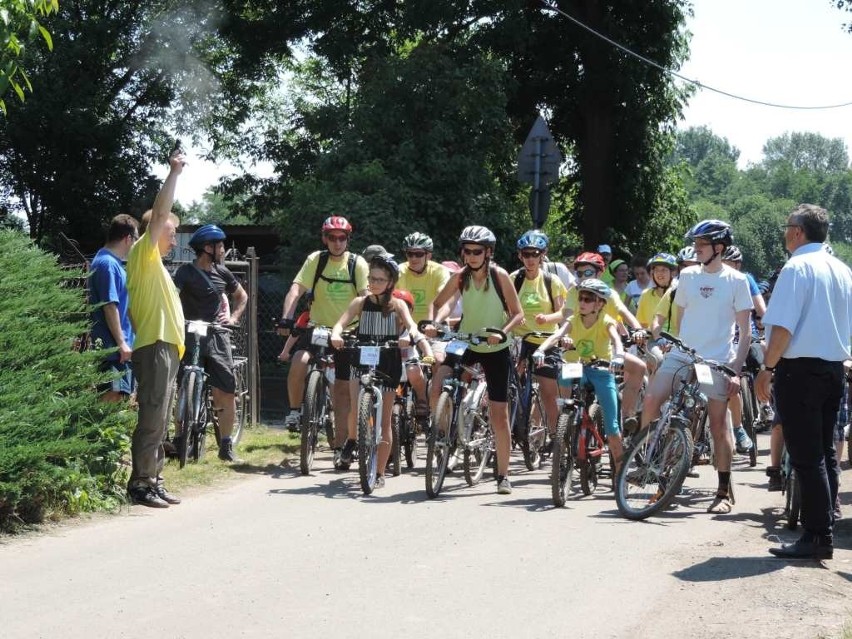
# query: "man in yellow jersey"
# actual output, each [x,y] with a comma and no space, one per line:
[334,277]
[157,317]
[424,279]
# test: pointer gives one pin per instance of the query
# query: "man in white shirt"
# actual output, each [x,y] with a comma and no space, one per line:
[712,300]
[809,323]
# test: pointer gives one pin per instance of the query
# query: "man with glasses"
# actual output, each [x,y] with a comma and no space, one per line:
[333,278]
[712,299]
[809,324]
[424,279]
[111,326]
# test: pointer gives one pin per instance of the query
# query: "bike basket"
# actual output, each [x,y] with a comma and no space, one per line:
[456,347]
[319,336]
[570,371]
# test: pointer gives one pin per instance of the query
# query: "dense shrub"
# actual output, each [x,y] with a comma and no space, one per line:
[60,449]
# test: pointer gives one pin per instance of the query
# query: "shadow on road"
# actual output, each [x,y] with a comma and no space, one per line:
[725,568]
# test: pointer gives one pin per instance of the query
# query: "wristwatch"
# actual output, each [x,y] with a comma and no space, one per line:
[764,367]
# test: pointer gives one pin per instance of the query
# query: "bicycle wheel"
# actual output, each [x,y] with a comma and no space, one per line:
[794,500]
[589,468]
[408,432]
[396,444]
[562,462]
[480,447]
[198,445]
[747,396]
[653,470]
[313,416]
[440,447]
[184,416]
[367,449]
[241,399]
[535,432]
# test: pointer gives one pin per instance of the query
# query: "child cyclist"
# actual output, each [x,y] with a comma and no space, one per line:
[382,317]
[592,335]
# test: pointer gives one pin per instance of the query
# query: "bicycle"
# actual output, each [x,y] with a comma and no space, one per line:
[460,421]
[194,406]
[792,492]
[317,408]
[407,426]
[750,412]
[659,457]
[527,420]
[579,441]
[370,407]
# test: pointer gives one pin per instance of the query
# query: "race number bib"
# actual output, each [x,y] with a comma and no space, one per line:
[456,347]
[703,374]
[320,336]
[199,328]
[571,370]
[370,355]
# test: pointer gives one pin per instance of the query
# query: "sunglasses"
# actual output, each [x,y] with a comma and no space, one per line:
[586,272]
[587,299]
[476,251]
[530,254]
[337,238]
[415,253]
[378,280]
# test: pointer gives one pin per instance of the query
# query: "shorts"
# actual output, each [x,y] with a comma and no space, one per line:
[217,360]
[677,364]
[552,360]
[123,380]
[496,366]
[342,358]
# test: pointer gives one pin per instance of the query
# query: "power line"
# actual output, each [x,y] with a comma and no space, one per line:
[671,72]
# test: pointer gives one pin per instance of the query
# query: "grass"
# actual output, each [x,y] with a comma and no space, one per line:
[262,449]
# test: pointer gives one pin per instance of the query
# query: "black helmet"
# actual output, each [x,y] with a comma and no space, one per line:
[386,262]
[715,231]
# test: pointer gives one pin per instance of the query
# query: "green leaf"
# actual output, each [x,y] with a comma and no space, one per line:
[47,38]
[18,90]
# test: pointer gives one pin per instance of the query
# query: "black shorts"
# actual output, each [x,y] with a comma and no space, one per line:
[217,359]
[496,366]
[342,358]
[552,360]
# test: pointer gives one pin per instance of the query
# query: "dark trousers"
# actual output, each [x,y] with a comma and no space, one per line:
[807,394]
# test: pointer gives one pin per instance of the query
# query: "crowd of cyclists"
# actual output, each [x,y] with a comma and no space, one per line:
[586,308]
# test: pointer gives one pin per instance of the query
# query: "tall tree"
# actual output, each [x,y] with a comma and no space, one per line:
[19,27]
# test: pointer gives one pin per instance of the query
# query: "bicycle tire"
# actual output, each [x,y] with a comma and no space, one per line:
[590,466]
[241,399]
[562,462]
[396,445]
[535,432]
[439,448]
[312,415]
[184,413]
[747,395]
[408,433]
[794,500]
[199,430]
[670,463]
[478,455]
[367,449]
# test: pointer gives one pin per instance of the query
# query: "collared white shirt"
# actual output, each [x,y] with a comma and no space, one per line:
[813,300]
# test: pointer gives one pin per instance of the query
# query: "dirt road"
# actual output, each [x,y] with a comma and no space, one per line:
[285,555]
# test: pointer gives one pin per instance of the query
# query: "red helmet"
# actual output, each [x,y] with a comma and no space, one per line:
[336,223]
[405,296]
[590,258]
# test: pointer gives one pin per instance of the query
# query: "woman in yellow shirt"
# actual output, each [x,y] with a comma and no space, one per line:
[592,335]
[662,267]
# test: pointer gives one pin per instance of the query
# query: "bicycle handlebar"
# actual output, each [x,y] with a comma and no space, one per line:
[691,352]
[445,334]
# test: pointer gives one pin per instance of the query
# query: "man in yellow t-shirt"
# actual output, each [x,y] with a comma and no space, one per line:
[157,317]
[420,276]
[343,277]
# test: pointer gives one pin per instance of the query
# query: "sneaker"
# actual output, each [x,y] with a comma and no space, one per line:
[293,421]
[631,425]
[146,496]
[348,451]
[380,482]
[776,481]
[226,452]
[504,487]
[744,442]
[166,496]
[338,463]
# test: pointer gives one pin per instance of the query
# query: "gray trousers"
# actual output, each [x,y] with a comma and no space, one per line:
[155,368]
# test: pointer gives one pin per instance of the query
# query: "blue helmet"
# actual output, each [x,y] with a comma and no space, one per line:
[715,231]
[533,239]
[209,233]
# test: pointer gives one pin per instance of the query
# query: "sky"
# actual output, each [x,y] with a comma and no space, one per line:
[792,52]
[783,51]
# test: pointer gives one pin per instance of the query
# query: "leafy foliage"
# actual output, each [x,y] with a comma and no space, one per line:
[60,448]
[19,25]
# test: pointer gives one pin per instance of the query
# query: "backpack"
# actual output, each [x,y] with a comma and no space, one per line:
[492,273]
[321,264]
[548,283]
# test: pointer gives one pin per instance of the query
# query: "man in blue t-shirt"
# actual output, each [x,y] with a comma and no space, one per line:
[111,326]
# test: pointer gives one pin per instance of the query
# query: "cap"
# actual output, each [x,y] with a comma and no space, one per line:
[604,248]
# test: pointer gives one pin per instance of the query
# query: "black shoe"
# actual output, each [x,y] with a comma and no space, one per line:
[338,464]
[776,481]
[226,452]
[348,451]
[814,548]
[166,496]
[146,497]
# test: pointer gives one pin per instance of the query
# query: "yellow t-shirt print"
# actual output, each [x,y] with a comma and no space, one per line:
[585,348]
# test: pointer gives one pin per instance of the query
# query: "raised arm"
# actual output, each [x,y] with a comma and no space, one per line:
[162,208]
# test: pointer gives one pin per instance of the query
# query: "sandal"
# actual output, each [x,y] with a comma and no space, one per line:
[723,503]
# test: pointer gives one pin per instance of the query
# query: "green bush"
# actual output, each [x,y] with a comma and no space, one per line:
[60,448]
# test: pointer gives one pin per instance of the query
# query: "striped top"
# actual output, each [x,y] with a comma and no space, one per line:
[376,325]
